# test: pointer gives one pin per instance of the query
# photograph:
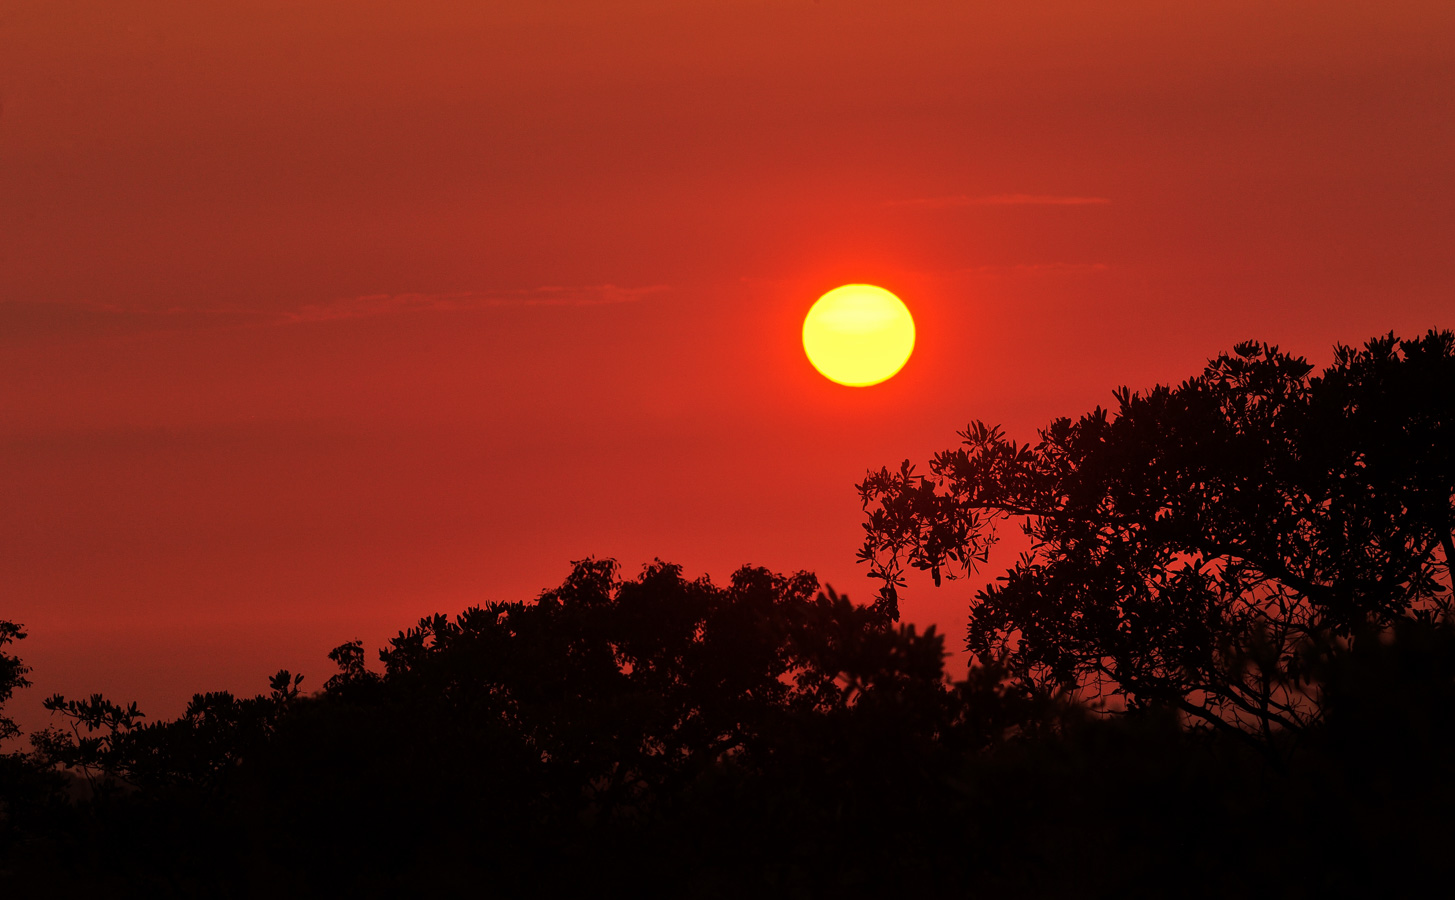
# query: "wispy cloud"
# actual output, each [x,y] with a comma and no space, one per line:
[957,200]
[553,295]
[1054,268]
[1017,270]
[24,322]
[949,276]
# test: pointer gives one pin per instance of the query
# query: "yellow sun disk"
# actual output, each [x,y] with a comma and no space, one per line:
[858,335]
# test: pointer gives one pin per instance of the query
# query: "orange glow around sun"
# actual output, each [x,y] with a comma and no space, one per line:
[858,335]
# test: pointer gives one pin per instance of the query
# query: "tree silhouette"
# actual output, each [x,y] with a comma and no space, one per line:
[660,736]
[30,793]
[109,742]
[12,676]
[1199,546]
[584,727]
[624,691]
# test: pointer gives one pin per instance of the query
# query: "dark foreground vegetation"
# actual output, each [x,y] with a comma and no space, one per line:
[1225,668]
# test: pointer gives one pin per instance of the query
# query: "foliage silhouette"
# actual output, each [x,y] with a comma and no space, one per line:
[587,723]
[1191,549]
[212,736]
[30,793]
[12,675]
[665,737]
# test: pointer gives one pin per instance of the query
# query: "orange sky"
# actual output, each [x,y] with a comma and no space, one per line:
[319,316]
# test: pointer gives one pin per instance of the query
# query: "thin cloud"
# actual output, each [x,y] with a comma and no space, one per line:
[1033,269]
[1000,270]
[958,200]
[24,321]
[551,295]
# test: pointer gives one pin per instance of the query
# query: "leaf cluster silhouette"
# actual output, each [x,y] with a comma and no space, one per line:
[1254,564]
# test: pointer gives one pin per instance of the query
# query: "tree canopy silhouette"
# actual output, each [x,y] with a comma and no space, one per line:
[602,716]
[1196,546]
[664,736]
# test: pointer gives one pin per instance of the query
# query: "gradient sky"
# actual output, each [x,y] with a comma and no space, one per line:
[316,317]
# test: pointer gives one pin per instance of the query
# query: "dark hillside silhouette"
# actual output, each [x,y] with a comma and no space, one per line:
[1200,546]
[1259,553]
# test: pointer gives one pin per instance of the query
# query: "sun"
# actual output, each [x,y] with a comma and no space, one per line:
[858,335]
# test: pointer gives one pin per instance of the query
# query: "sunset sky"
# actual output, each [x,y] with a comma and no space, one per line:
[316,317]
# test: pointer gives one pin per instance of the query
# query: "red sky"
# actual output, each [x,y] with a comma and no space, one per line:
[316,317]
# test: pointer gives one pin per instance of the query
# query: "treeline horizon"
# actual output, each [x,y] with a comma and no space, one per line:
[1226,664]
